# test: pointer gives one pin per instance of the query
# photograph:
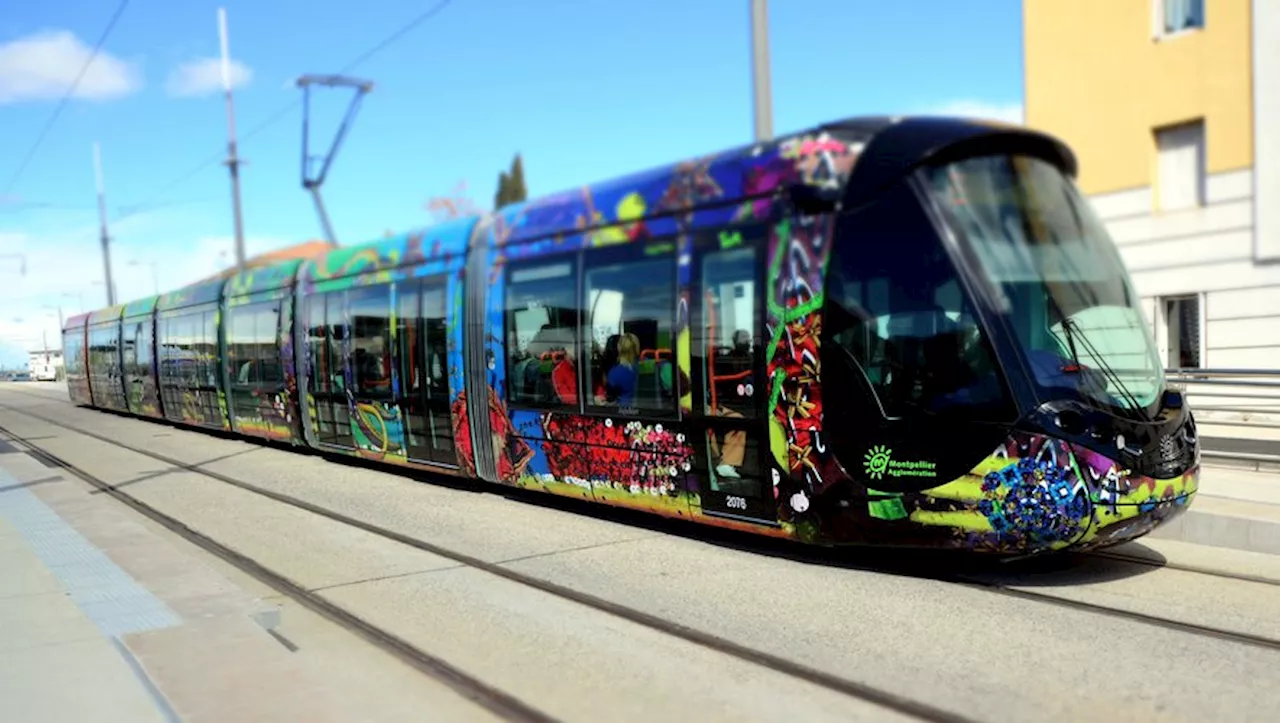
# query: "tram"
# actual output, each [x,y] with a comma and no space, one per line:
[903,331]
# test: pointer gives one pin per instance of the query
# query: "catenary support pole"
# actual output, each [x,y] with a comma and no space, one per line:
[102,221]
[760,84]
[233,160]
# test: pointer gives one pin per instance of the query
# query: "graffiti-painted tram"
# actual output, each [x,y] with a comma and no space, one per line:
[905,331]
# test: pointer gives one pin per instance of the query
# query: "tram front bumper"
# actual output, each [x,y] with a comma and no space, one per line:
[1124,510]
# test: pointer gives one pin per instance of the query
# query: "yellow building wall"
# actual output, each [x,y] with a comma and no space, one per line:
[1098,79]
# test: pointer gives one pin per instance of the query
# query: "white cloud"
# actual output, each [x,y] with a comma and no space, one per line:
[65,269]
[201,77]
[44,65]
[1005,112]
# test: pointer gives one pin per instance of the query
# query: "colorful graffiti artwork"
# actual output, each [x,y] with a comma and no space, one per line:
[378,427]
[608,457]
[1032,494]
[512,452]
[637,460]
[1039,493]
[378,430]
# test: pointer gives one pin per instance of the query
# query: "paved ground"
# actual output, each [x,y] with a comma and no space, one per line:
[191,647]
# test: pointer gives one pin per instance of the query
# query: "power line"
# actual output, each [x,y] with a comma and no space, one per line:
[66,98]
[404,29]
[218,158]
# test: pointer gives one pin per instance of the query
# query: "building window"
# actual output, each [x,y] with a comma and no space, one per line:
[1180,166]
[1181,316]
[1177,16]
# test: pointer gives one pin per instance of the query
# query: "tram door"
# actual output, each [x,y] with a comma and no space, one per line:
[421,338]
[729,360]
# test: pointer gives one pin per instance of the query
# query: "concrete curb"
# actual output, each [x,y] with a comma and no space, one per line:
[1219,530]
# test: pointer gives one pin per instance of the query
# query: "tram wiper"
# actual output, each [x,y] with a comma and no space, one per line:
[1134,411]
[1073,333]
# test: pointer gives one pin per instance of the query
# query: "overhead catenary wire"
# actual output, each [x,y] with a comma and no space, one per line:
[219,157]
[62,104]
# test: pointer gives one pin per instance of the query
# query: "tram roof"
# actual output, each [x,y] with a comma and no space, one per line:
[206,292]
[270,277]
[867,149]
[77,321]
[858,154]
[446,239]
[111,313]
[140,307]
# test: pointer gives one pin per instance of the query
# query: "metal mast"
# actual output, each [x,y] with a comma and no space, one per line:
[310,182]
[760,85]
[102,221]
[233,160]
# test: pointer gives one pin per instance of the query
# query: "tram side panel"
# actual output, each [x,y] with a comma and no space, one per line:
[75,363]
[105,372]
[189,364]
[588,346]
[588,373]
[138,340]
[375,369]
[257,331]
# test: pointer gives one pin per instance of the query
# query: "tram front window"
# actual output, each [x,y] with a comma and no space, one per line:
[1057,278]
[897,309]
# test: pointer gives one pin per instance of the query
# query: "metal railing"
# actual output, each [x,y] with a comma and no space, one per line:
[1240,407]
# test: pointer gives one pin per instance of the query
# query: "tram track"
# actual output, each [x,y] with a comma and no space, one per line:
[778,664]
[474,689]
[728,647]
[1193,569]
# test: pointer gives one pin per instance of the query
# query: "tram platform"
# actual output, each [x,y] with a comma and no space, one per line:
[106,617]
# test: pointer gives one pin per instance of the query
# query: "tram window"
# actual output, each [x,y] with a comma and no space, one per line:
[729,312]
[630,305]
[424,381]
[129,337]
[897,309]
[542,320]
[241,355]
[335,412]
[191,362]
[163,354]
[317,343]
[71,357]
[370,309]
[335,309]
[142,348]
[267,324]
[205,344]
[321,374]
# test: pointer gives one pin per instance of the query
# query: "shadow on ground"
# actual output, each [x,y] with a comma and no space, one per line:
[1051,570]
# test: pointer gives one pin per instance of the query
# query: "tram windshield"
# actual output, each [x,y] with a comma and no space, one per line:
[1057,278]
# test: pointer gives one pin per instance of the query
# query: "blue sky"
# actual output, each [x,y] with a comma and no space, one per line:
[583,89]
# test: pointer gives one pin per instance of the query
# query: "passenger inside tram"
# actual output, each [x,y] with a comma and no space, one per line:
[620,380]
[564,378]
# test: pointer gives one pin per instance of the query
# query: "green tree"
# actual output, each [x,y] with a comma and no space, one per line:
[511,188]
